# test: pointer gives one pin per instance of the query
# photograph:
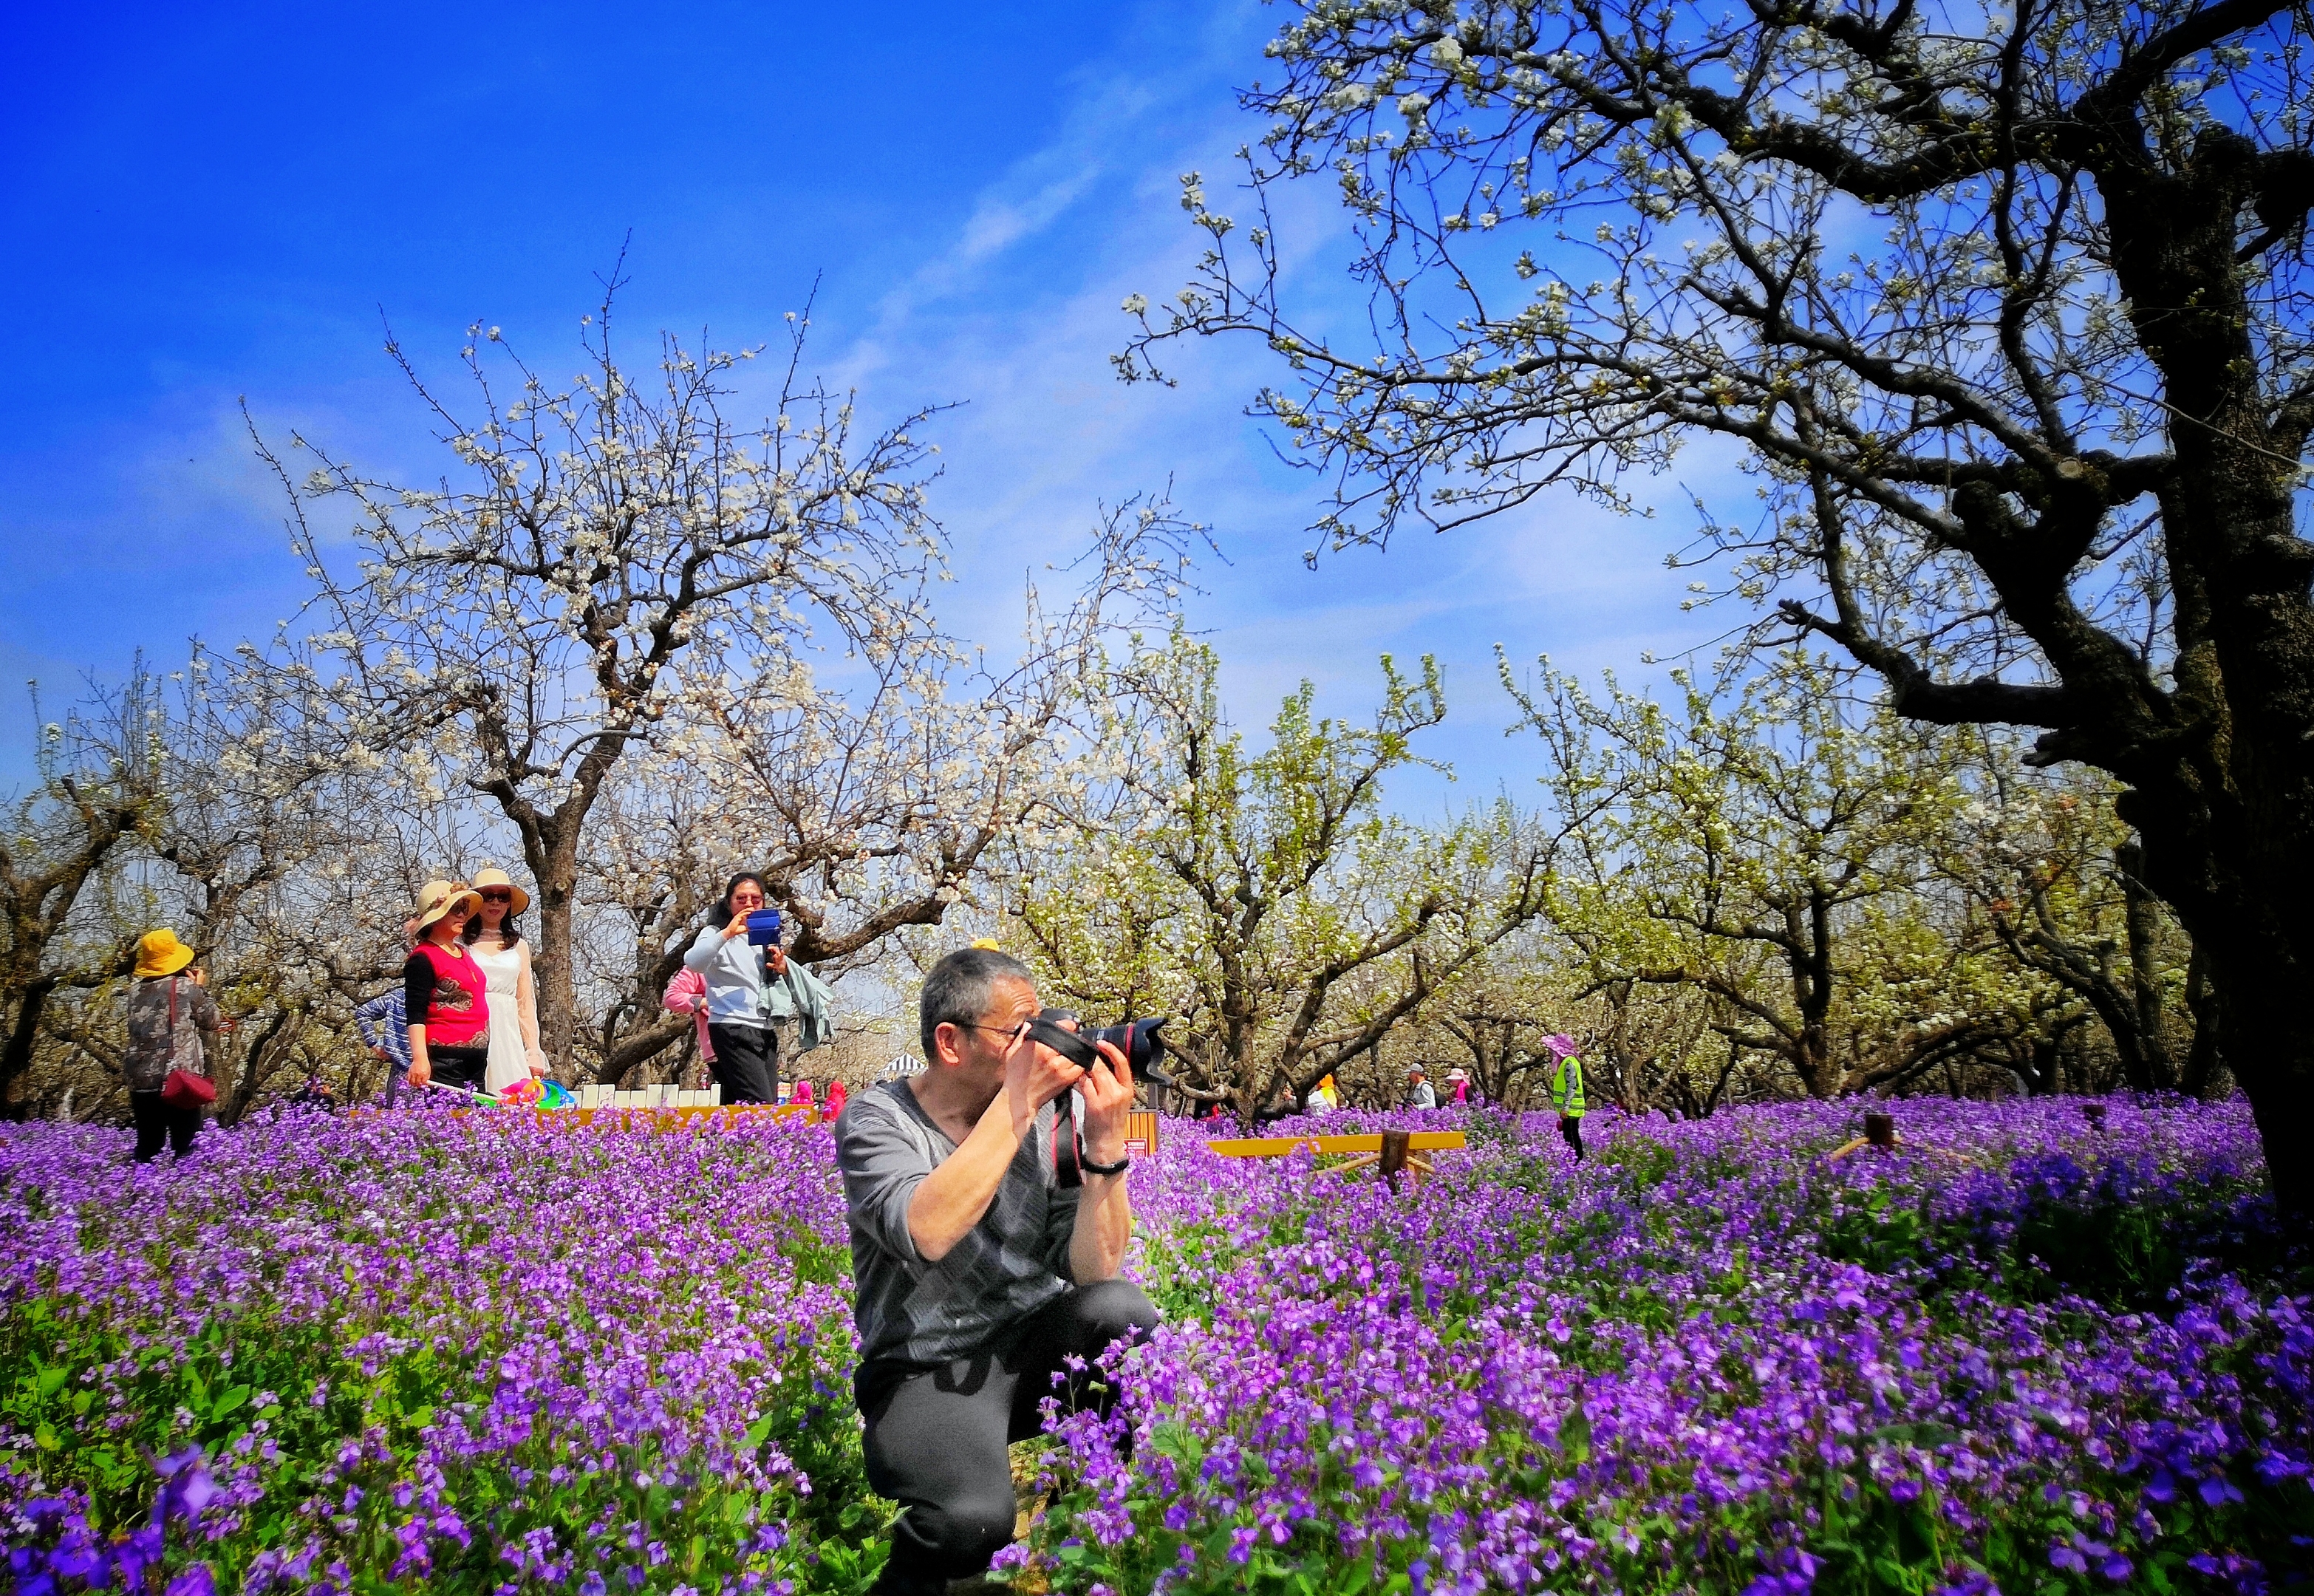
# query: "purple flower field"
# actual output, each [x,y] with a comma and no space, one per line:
[480,1353]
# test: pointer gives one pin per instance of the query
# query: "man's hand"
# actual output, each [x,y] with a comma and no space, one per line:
[1104,1222]
[1034,1075]
[1107,1090]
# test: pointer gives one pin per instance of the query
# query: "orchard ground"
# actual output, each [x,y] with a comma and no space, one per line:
[486,1353]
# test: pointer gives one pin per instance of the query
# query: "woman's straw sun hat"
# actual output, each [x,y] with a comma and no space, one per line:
[438,898]
[491,876]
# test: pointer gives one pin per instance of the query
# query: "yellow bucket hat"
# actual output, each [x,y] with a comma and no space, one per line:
[435,901]
[491,876]
[159,953]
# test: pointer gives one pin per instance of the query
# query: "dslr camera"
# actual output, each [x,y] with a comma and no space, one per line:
[1137,1039]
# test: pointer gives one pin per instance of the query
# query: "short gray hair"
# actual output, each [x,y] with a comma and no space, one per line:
[960,987]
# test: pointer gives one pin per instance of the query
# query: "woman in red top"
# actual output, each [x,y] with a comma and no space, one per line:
[444,993]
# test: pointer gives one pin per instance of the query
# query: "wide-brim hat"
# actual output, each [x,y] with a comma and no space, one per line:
[1454,1075]
[437,898]
[159,953]
[1562,1043]
[491,876]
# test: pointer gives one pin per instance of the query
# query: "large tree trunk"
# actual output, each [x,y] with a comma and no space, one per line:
[16,1052]
[2206,1075]
[550,846]
[553,971]
[2251,924]
[2144,922]
[2221,773]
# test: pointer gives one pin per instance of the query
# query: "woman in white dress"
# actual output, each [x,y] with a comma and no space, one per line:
[503,955]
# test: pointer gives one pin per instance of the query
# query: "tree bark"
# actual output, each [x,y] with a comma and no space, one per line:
[16,1053]
[2143,920]
[2206,1076]
[2223,802]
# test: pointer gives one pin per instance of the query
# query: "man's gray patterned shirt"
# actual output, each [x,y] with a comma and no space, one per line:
[1010,1264]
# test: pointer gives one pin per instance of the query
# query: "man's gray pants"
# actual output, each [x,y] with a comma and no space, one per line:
[936,1437]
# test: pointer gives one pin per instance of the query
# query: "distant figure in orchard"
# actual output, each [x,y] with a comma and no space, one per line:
[1567,1091]
[1419,1092]
[170,1014]
[445,995]
[989,1219]
[1459,1081]
[385,1032]
[686,994]
[500,951]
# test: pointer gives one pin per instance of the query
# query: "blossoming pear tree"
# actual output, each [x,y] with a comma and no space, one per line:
[2007,308]
[1266,899]
[1777,848]
[601,548]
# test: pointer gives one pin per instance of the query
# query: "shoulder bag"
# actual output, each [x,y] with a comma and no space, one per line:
[183,1089]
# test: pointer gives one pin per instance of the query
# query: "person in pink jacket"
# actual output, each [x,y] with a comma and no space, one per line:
[688,994]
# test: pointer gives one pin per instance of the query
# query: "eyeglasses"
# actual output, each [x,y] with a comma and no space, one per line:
[498,895]
[1020,1025]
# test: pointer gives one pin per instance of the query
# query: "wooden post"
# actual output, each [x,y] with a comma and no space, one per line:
[1393,1156]
[1880,1129]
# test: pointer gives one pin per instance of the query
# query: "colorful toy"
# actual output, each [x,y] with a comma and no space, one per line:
[536,1093]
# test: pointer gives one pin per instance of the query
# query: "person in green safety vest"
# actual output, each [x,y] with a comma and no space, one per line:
[1567,1091]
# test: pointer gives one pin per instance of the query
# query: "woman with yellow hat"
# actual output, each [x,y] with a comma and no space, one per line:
[445,995]
[170,1014]
[498,946]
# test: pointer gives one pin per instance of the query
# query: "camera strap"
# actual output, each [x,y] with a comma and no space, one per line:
[1068,1142]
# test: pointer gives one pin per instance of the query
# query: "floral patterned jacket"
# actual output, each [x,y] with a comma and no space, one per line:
[168,1018]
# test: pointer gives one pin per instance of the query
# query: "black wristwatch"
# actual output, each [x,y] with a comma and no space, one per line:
[1119,1167]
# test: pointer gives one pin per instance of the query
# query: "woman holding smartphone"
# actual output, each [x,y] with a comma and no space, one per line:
[741,1003]
[444,994]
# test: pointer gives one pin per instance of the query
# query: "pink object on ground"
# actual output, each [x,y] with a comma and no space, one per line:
[688,994]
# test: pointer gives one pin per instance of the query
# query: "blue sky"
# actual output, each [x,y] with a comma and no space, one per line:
[206,202]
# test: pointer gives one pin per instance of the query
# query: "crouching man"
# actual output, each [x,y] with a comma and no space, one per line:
[989,1219]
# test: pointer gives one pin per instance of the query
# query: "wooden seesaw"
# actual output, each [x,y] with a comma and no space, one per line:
[1880,1133]
[1391,1152]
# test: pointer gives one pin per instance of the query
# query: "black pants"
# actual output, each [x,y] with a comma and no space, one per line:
[157,1122]
[462,1067]
[747,1062]
[936,1438]
[1571,1127]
